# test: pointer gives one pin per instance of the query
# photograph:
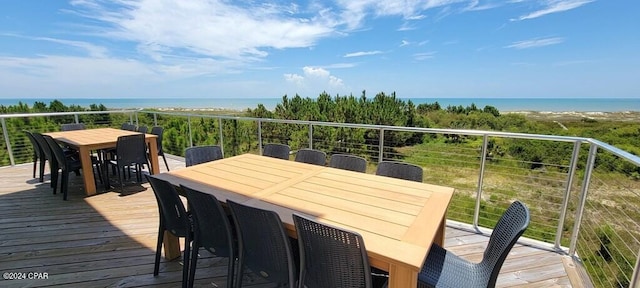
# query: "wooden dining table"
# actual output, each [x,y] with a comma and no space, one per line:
[87,140]
[398,219]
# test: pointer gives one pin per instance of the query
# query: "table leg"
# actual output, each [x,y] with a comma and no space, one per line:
[171,246]
[153,155]
[402,277]
[87,170]
[439,239]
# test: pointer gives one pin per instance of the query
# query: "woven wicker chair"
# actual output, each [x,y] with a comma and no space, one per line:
[311,156]
[159,131]
[38,155]
[348,162]
[64,163]
[201,154]
[211,231]
[173,219]
[131,150]
[330,256]
[400,170]
[276,151]
[444,269]
[263,246]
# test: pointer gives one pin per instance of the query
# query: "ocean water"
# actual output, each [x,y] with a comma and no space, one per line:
[502,104]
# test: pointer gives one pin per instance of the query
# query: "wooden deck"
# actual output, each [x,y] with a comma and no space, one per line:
[108,240]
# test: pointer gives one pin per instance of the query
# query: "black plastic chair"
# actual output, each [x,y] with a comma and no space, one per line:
[311,156]
[211,231]
[444,269]
[263,246]
[128,127]
[131,150]
[348,162]
[201,154]
[142,129]
[330,256]
[158,131]
[72,126]
[38,155]
[400,170]
[53,163]
[275,150]
[173,219]
[64,164]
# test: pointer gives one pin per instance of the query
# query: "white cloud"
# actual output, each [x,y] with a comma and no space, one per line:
[424,55]
[534,43]
[316,78]
[294,78]
[207,28]
[362,53]
[554,6]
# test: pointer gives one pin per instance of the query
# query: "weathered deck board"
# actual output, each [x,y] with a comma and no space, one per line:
[108,240]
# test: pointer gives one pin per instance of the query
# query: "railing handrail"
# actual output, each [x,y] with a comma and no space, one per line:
[607,147]
[50,114]
[594,145]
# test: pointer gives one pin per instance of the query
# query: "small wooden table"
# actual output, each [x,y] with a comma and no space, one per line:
[398,219]
[101,138]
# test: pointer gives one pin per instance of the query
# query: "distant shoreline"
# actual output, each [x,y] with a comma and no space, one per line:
[504,105]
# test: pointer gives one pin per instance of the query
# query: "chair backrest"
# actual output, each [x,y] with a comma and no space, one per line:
[158,131]
[211,226]
[200,154]
[131,149]
[37,150]
[510,227]
[72,126]
[128,127]
[173,215]
[348,162]
[400,170]
[57,152]
[142,129]
[53,162]
[263,245]
[330,256]
[311,156]
[276,150]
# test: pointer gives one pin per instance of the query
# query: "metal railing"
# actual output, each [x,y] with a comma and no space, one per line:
[586,203]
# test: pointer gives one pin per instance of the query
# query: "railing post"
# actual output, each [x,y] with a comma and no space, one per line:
[567,191]
[189,127]
[260,137]
[137,121]
[220,128]
[75,116]
[381,146]
[583,198]
[155,119]
[131,117]
[635,278]
[310,136]
[7,142]
[483,161]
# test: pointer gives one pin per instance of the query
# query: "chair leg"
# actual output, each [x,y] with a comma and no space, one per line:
[185,260]
[54,180]
[35,162]
[42,162]
[156,267]
[165,161]
[120,177]
[65,184]
[193,263]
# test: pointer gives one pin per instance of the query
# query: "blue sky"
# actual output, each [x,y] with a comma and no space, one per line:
[255,49]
